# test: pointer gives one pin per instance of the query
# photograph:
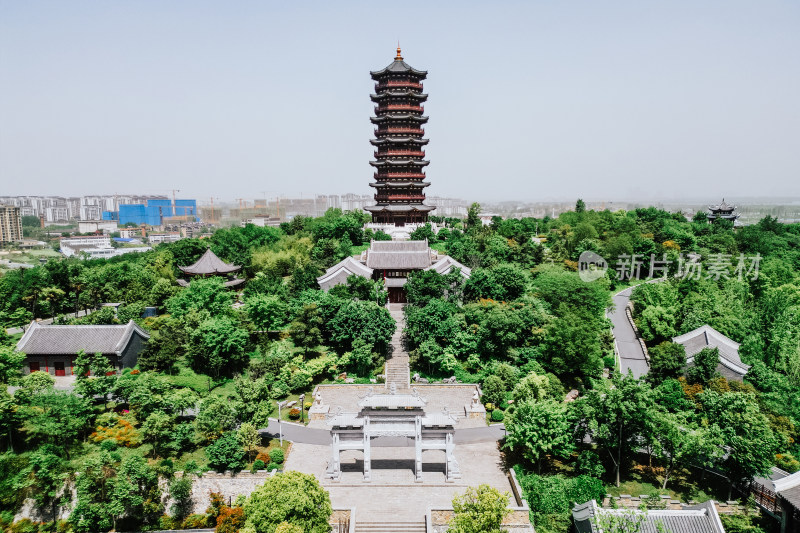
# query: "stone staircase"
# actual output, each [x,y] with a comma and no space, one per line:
[397,371]
[390,527]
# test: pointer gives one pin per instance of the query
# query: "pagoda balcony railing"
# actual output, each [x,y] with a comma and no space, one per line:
[389,153]
[407,131]
[399,175]
[399,107]
[395,197]
[387,84]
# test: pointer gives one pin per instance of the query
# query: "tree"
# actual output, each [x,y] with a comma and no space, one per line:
[94,485]
[248,437]
[479,510]
[43,479]
[226,453]
[580,206]
[180,490]
[494,391]
[617,419]
[136,494]
[157,430]
[216,416]
[268,313]
[540,428]
[667,361]
[533,387]
[705,366]
[10,363]
[572,345]
[306,329]
[291,497]
[218,344]
[678,442]
[56,417]
[362,320]
[207,294]
[473,220]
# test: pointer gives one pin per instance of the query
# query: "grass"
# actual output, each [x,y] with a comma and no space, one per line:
[186,377]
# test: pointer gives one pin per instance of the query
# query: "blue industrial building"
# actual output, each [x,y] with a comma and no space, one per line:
[154,212]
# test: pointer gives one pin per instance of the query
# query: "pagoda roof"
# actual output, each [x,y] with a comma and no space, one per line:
[398,140]
[722,207]
[210,265]
[398,208]
[398,66]
[398,163]
[407,92]
[399,116]
[390,184]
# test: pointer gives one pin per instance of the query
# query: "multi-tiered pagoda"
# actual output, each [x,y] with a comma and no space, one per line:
[399,157]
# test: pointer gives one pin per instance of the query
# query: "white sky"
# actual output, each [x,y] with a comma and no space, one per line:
[532,100]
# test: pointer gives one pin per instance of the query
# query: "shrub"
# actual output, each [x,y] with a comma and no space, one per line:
[589,463]
[609,361]
[225,453]
[273,466]
[24,526]
[195,521]
[230,519]
[258,464]
[276,455]
[294,414]
[497,415]
[263,457]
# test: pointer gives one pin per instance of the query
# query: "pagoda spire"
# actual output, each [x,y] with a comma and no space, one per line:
[399,56]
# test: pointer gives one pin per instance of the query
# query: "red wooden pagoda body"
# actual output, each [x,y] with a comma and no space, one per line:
[399,155]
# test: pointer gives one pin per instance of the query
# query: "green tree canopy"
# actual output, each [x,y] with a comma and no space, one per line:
[291,497]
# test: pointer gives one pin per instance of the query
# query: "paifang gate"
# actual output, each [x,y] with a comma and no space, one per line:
[392,415]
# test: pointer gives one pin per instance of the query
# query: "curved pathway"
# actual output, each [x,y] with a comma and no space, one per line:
[631,355]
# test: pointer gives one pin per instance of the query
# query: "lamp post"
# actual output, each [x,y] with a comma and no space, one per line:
[280,425]
[302,400]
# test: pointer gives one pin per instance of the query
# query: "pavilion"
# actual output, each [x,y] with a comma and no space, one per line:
[210,265]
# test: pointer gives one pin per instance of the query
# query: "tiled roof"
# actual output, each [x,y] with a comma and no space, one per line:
[701,518]
[446,264]
[49,339]
[210,264]
[404,255]
[708,337]
[398,65]
[789,488]
[339,273]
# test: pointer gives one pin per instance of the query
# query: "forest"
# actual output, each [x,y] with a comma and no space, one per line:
[524,325]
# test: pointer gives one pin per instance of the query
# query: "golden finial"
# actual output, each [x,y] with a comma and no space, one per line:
[399,57]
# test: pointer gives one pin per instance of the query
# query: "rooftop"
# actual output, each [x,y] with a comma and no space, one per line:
[49,339]
[209,264]
[702,518]
[708,337]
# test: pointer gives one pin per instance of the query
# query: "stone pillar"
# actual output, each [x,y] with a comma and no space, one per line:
[418,450]
[452,469]
[367,451]
[334,470]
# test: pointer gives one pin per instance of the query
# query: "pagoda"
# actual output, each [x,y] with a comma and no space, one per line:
[722,211]
[399,156]
[211,265]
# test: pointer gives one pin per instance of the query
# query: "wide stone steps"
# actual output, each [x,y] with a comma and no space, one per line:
[390,527]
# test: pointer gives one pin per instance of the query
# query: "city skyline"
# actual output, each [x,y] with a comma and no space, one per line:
[529,101]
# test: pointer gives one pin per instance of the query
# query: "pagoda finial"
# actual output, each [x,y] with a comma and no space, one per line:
[399,57]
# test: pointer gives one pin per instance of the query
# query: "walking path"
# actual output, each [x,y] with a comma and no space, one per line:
[46,321]
[397,365]
[631,355]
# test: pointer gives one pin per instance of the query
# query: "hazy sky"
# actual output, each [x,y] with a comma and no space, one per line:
[532,100]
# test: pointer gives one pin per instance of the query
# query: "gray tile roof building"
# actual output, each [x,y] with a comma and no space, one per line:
[702,518]
[730,365]
[70,340]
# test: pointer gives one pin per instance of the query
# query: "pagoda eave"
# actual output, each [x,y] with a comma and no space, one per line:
[410,94]
[397,163]
[398,184]
[400,208]
[398,140]
[405,116]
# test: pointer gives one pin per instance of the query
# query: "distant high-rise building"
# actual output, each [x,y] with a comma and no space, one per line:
[10,224]
[400,158]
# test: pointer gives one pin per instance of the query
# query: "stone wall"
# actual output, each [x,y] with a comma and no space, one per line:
[633,502]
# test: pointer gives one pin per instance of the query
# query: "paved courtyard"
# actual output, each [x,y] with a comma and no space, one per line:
[392,495]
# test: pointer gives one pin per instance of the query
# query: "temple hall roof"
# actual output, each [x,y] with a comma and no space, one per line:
[210,265]
[447,264]
[730,364]
[404,255]
[63,339]
[702,518]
